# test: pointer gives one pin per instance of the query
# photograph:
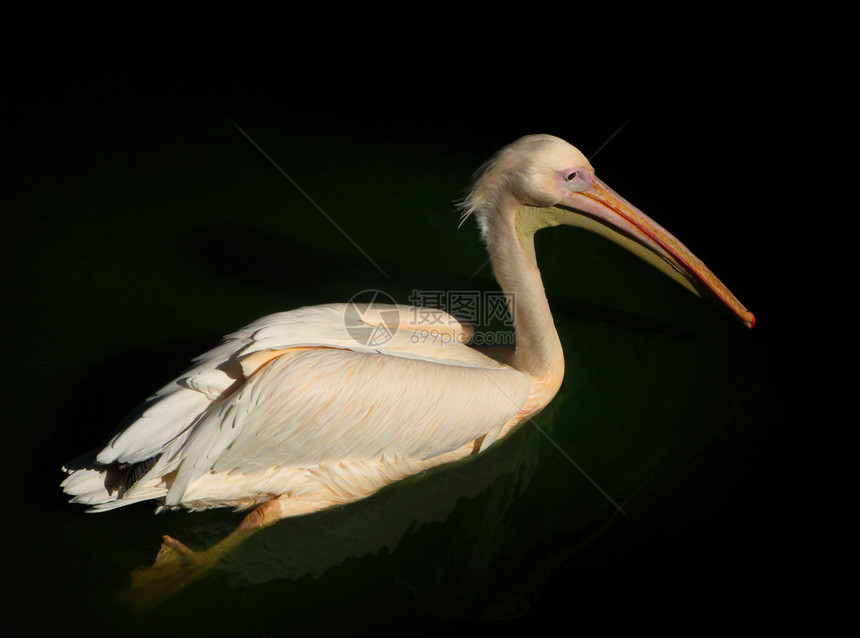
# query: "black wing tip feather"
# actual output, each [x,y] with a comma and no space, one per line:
[119,477]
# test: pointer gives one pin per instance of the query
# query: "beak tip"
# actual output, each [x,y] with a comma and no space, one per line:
[749,320]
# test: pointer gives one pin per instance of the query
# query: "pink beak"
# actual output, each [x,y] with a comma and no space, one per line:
[601,202]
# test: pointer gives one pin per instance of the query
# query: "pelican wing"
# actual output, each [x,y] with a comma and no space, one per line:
[179,405]
[296,380]
[317,407]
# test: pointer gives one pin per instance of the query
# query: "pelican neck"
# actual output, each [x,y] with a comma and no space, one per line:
[511,246]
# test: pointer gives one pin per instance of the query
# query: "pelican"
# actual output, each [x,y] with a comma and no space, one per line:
[301,410]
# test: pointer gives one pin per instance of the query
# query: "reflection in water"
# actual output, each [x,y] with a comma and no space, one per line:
[445,530]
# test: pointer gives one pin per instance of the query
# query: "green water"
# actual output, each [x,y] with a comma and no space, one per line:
[144,230]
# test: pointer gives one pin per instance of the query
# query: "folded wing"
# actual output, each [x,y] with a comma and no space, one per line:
[302,388]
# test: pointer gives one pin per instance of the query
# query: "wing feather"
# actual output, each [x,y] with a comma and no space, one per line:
[317,407]
[295,381]
[179,405]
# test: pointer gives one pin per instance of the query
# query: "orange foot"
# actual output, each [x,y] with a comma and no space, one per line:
[175,567]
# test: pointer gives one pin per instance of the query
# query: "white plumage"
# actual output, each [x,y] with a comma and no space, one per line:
[293,400]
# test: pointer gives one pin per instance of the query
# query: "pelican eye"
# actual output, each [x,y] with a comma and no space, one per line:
[570,176]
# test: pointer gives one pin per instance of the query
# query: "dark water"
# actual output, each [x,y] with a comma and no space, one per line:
[145,225]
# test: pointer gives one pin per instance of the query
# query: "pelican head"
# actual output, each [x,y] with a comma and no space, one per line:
[541,181]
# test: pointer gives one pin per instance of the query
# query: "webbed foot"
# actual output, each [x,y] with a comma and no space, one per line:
[175,566]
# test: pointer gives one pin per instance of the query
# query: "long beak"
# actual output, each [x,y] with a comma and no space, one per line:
[606,206]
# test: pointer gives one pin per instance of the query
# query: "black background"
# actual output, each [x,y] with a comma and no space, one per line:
[667,98]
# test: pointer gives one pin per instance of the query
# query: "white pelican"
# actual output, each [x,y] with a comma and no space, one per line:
[298,412]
